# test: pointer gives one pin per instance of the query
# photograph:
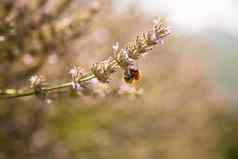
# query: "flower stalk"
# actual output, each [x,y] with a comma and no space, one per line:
[121,59]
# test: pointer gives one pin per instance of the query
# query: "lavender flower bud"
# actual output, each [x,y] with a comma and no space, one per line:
[76,74]
[104,69]
[37,84]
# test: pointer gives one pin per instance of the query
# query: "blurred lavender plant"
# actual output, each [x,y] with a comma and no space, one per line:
[32,31]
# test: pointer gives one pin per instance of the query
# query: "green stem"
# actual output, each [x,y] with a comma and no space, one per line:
[16,93]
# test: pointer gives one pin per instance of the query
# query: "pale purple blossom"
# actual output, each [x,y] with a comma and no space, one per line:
[76,74]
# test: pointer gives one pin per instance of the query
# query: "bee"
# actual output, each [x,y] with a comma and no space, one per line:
[131,74]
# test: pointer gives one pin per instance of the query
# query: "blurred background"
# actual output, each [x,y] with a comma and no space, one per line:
[187,104]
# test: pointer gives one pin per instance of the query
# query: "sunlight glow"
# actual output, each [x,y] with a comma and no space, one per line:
[196,15]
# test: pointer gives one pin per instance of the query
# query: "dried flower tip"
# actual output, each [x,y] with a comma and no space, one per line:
[104,69]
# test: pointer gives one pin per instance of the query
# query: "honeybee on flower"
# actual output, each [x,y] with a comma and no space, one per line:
[131,74]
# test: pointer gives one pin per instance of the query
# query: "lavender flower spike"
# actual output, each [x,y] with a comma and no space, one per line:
[160,32]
